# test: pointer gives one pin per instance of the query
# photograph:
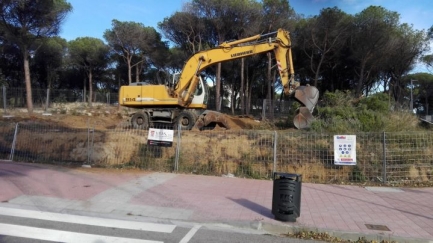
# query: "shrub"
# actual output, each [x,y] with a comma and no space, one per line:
[341,112]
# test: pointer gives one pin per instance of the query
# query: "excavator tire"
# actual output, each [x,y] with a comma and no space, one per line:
[186,119]
[140,120]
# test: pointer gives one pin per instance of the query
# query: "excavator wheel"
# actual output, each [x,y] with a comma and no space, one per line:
[140,120]
[186,119]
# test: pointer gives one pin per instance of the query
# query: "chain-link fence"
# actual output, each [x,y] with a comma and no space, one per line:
[381,157]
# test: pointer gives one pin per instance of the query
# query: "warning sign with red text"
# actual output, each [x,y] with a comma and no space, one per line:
[160,137]
[345,149]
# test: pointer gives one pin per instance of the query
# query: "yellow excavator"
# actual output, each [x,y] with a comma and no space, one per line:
[183,100]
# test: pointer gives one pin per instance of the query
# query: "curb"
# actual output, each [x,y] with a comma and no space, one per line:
[279,229]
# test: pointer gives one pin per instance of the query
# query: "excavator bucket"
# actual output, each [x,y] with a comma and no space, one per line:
[211,118]
[303,119]
[308,96]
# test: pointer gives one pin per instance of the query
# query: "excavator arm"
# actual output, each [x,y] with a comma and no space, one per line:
[181,99]
[278,42]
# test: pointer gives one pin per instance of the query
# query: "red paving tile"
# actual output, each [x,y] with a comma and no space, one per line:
[334,207]
[218,199]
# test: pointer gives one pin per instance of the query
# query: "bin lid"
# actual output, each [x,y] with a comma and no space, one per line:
[280,175]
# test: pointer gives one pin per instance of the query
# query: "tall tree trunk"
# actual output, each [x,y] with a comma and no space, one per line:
[271,110]
[129,71]
[249,90]
[247,95]
[137,76]
[269,78]
[317,72]
[84,90]
[233,99]
[242,91]
[90,88]
[218,87]
[27,81]
[360,84]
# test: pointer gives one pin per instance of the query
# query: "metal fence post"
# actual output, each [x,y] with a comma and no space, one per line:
[264,109]
[176,159]
[89,144]
[275,151]
[384,158]
[14,142]
[4,100]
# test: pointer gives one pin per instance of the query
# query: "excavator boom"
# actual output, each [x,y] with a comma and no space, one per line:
[179,101]
[278,42]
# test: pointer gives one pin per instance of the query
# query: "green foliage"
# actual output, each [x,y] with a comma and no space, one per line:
[341,112]
[88,52]
[335,99]
[370,121]
[136,44]
[61,98]
[3,81]
[378,102]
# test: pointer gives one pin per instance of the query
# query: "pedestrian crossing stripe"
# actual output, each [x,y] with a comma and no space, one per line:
[85,220]
[62,236]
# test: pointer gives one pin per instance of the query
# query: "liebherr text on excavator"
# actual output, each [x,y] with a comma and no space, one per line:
[183,100]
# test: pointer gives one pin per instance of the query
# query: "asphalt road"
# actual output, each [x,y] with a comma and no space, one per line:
[25,226]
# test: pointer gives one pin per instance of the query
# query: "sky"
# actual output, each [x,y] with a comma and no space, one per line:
[90,18]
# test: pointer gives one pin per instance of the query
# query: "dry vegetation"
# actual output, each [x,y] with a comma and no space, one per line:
[243,152]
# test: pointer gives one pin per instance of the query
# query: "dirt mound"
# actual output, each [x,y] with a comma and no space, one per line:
[102,121]
[110,119]
[210,120]
[242,122]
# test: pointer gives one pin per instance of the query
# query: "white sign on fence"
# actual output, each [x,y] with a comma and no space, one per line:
[160,137]
[345,149]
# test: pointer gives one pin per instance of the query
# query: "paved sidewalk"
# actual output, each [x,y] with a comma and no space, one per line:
[401,214]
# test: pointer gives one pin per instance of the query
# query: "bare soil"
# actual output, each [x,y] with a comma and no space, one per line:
[221,153]
[105,118]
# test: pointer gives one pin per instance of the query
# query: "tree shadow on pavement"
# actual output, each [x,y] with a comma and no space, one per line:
[266,212]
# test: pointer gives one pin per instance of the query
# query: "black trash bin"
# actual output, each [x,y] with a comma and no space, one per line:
[286,196]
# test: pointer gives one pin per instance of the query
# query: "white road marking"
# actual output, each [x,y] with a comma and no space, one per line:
[62,236]
[76,219]
[190,234]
